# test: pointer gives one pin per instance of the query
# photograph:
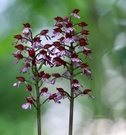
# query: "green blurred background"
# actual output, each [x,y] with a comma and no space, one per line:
[107,25]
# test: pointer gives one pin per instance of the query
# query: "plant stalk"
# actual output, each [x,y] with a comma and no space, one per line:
[71,96]
[38,110]
[38,105]
[71,116]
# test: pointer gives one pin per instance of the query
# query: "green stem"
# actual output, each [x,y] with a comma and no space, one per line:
[38,105]
[71,115]
[38,110]
[71,95]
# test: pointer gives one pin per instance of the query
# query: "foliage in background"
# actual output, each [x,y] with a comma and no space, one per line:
[106,19]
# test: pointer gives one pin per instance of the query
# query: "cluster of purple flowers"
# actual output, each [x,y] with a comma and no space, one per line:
[71,42]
